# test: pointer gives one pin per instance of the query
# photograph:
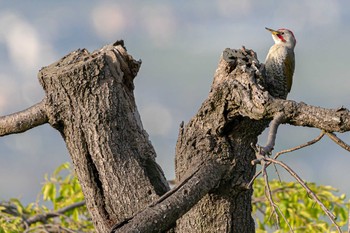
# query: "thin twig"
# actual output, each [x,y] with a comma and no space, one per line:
[308,190]
[46,216]
[253,179]
[285,219]
[277,173]
[280,189]
[309,143]
[338,141]
[268,193]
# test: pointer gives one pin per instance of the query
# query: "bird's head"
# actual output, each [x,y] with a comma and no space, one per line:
[283,36]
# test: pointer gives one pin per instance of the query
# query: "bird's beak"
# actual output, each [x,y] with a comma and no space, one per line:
[274,32]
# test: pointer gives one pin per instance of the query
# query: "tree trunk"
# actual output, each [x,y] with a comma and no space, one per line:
[219,131]
[89,99]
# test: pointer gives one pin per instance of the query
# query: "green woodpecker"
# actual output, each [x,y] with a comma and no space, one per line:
[280,62]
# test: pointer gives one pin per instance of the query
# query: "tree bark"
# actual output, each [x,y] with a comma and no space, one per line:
[24,120]
[220,131]
[90,101]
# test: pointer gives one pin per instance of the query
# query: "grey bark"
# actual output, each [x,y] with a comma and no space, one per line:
[22,121]
[89,100]
[162,214]
[220,131]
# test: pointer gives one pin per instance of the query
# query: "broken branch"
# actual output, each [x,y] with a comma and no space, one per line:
[162,214]
[23,120]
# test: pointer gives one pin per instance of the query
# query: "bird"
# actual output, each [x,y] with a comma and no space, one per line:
[280,63]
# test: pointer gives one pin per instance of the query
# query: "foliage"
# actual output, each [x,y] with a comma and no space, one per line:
[302,213]
[58,192]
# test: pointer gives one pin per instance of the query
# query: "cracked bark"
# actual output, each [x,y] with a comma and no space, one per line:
[220,130]
[89,100]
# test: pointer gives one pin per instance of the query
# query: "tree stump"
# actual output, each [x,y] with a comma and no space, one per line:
[90,101]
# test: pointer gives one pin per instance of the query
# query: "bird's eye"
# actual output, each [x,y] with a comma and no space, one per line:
[282,33]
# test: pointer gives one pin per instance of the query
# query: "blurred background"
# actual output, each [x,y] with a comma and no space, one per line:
[180,43]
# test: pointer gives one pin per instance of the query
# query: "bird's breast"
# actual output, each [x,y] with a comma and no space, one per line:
[278,70]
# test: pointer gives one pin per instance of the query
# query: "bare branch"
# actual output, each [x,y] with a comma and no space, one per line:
[162,214]
[249,185]
[277,120]
[308,190]
[265,161]
[276,190]
[24,120]
[262,151]
[309,143]
[259,157]
[301,114]
[268,193]
[46,216]
[267,149]
[338,141]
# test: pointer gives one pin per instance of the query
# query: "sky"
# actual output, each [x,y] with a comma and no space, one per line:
[180,43]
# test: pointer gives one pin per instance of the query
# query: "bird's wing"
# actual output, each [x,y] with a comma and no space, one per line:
[289,64]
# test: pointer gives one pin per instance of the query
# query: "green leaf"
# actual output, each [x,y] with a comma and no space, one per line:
[75,215]
[49,192]
[63,166]
[18,205]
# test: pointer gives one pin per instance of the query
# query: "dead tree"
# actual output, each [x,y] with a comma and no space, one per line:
[89,100]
